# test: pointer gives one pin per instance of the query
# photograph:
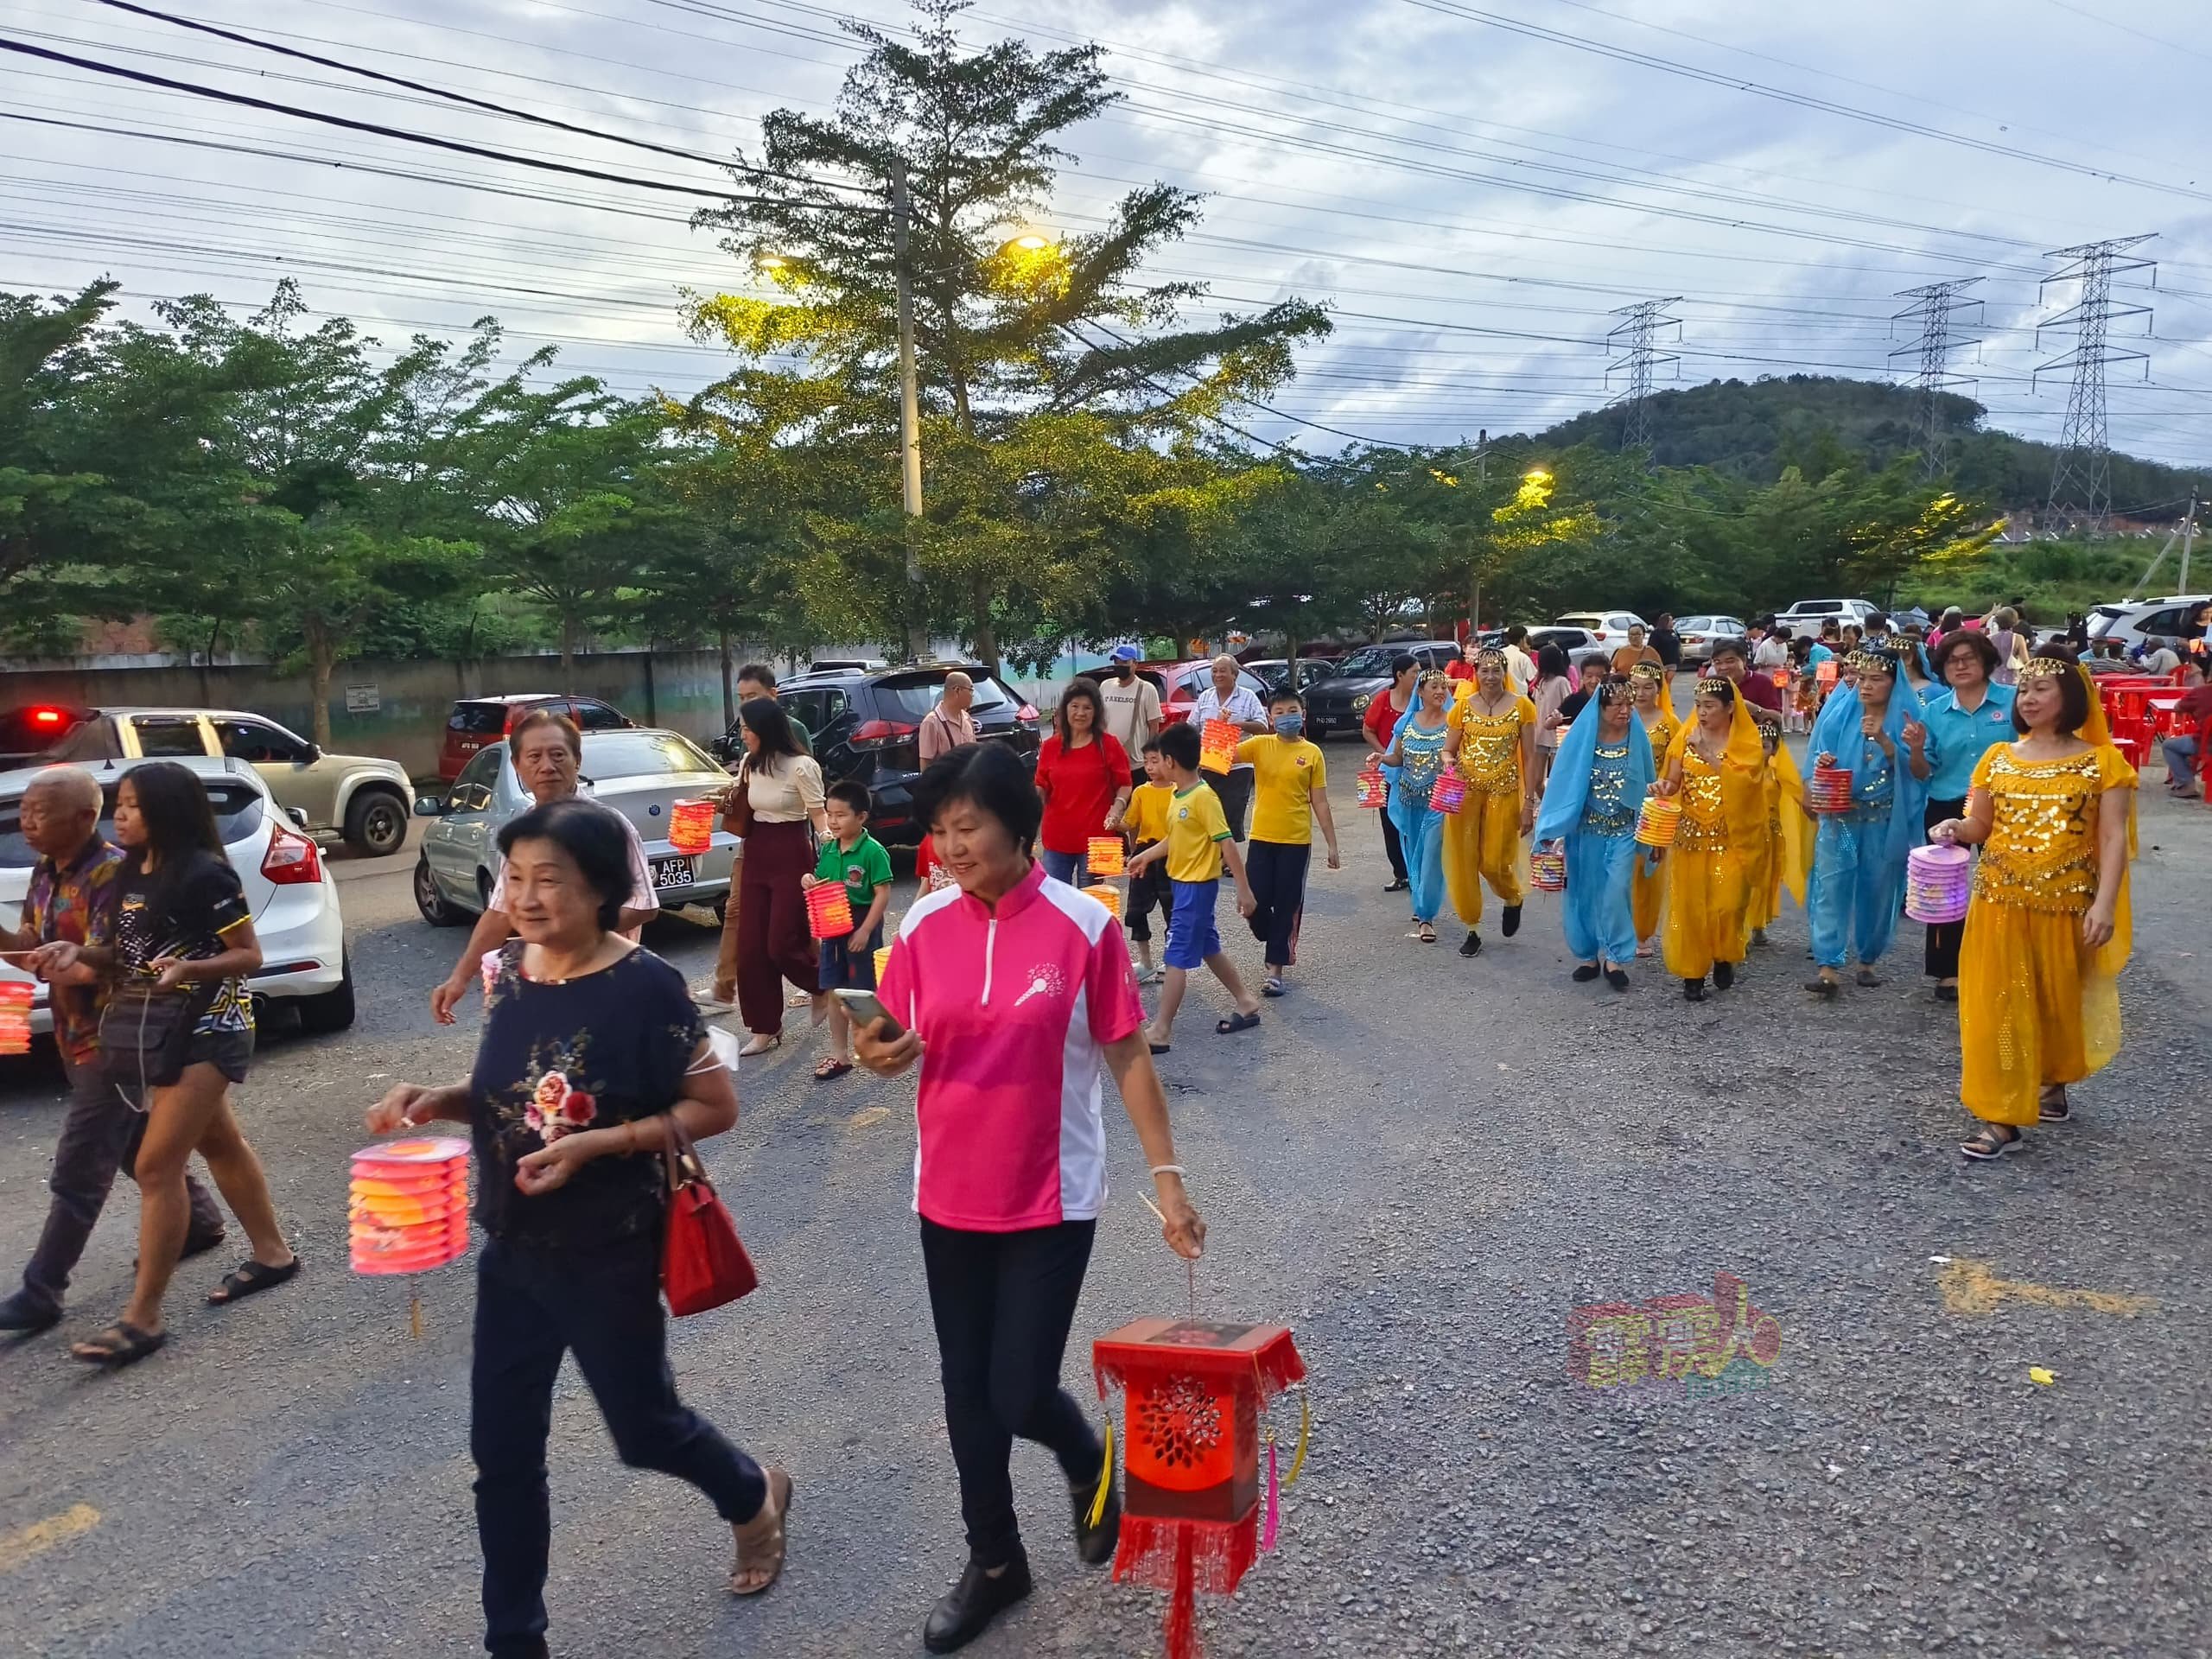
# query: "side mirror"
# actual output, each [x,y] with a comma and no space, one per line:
[315,752]
[298,815]
[429,806]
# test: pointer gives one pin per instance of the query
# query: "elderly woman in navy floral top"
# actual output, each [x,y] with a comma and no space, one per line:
[590,1045]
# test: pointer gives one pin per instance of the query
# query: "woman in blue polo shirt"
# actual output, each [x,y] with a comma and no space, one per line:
[1964,722]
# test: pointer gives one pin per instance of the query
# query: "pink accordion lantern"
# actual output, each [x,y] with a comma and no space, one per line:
[407,1209]
[1450,793]
[1937,881]
[15,996]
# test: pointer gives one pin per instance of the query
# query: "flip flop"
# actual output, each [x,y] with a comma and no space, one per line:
[1160,1048]
[251,1277]
[1236,1023]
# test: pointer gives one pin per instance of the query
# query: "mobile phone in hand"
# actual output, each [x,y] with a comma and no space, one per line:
[866,1010]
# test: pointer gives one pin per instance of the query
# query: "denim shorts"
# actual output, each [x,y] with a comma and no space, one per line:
[1192,936]
[229,1051]
[849,964]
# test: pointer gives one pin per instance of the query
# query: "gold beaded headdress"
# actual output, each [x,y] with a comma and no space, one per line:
[2055,667]
[1646,671]
[1489,657]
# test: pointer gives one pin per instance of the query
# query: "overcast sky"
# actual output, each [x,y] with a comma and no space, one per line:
[1471,192]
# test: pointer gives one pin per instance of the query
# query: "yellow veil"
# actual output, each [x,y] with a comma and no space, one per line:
[1742,775]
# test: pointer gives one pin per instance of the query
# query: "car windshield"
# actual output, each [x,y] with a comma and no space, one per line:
[640,754]
[1373,663]
[478,719]
[912,695]
[238,815]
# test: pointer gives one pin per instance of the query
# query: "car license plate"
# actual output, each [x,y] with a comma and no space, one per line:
[673,872]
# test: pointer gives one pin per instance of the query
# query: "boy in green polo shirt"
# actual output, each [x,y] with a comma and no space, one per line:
[856,858]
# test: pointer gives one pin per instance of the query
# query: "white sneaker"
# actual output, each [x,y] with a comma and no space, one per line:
[702,996]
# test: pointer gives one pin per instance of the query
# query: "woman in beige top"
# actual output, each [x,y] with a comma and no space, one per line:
[783,786]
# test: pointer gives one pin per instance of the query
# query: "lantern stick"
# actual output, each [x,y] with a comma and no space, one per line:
[1190,1265]
[415,1308]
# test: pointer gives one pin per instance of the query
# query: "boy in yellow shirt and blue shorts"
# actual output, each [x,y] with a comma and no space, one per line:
[1195,848]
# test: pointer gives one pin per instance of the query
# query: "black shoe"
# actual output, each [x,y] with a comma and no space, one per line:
[1094,1545]
[1473,944]
[1617,978]
[1693,990]
[24,1314]
[1947,993]
[1509,924]
[965,1611]
[1398,886]
[1724,974]
[1584,973]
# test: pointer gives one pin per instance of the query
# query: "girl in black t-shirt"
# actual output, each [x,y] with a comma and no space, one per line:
[591,1045]
[184,944]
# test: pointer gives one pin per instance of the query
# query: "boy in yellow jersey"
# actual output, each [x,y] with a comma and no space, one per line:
[1196,847]
[1290,790]
[1146,820]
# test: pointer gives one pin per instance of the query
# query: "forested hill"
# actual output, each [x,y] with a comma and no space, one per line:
[1752,430]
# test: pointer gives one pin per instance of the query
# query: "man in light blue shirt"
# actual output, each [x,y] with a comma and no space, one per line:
[1965,721]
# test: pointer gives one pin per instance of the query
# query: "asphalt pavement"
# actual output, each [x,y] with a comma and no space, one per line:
[1422,1164]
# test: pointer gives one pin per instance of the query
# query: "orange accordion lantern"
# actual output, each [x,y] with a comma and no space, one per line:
[1374,789]
[829,911]
[691,826]
[15,996]
[1107,894]
[407,1210]
[1194,1514]
[1107,856]
[1217,741]
[1657,820]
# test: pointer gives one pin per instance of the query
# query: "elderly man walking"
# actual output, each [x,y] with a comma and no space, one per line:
[73,899]
[1227,698]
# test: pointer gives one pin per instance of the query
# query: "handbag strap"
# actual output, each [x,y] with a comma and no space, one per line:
[680,1156]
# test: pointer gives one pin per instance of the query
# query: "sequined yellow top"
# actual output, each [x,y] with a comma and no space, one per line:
[2042,850]
[1705,822]
[1490,745]
[1662,732]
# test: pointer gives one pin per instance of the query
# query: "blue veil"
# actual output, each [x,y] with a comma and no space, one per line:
[1568,791]
[1836,732]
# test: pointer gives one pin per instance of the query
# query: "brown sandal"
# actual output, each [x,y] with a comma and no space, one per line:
[760,1540]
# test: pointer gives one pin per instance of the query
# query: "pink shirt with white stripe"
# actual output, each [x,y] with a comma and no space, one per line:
[1015,1006]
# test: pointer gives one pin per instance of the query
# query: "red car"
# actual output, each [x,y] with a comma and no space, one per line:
[1181,684]
[476,722]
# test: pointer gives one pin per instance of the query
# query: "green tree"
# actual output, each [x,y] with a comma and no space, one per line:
[1064,400]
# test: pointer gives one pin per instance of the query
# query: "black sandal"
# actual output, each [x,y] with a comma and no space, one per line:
[1865,978]
[1985,1146]
[122,1344]
[2050,1110]
[251,1277]
[1237,1023]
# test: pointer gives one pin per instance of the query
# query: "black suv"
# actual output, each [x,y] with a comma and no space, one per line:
[865,723]
[1339,703]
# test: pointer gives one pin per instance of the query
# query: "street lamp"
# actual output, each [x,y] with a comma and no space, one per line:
[1031,243]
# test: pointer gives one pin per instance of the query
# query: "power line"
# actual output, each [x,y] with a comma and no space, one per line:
[1935,305]
[2082,476]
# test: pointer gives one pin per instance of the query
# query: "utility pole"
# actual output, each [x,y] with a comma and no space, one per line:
[1933,307]
[2082,477]
[1636,332]
[2187,535]
[910,418]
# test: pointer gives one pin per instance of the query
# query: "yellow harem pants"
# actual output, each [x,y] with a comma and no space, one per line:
[1482,842]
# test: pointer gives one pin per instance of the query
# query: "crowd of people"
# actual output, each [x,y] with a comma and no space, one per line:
[1013,994]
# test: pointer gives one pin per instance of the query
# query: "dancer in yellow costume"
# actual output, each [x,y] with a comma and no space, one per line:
[1493,740]
[2049,927]
[1718,769]
[1662,725]
[1791,832]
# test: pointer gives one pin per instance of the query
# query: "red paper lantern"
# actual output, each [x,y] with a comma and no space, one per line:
[1373,791]
[1190,1497]
[691,826]
[829,911]
[15,996]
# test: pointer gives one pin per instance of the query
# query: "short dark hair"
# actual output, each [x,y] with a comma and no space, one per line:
[2073,696]
[853,793]
[545,714]
[990,778]
[759,673]
[1516,634]
[1179,743]
[1965,640]
[1597,659]
[1402,662]
[1730,647]
[589,834]
[1150,745]
[1285,694]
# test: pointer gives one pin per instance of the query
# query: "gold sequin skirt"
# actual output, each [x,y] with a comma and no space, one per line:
[2035,1007]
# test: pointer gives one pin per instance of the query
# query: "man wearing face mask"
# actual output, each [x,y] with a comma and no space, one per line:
[1132,705]
[1290,789]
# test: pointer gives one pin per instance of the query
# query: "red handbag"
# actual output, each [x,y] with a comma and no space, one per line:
[702,1264]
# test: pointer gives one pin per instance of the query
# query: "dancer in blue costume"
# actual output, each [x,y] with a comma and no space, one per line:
[1599,781]
[1417,751]
[1872,729]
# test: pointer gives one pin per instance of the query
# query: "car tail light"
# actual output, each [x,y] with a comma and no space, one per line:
[881,733]
[292,860]
[1027,713]
[48,717]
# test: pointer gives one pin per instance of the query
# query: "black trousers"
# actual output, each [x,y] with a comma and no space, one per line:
[1276,870]
[1939,953]
[603,1304]
[1002,1303]
[1393,847]
[99,1136]
[1149,888]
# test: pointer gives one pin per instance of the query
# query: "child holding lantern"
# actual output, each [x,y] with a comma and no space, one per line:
[1290,790]
[1195,848]
[856,858]
[1145,821]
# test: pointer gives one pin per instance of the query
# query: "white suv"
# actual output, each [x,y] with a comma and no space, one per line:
[2150,619]
[1811,615]
[1607,627]
[293,893]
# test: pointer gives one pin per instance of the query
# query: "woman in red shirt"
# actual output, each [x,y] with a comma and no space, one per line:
[1082,772]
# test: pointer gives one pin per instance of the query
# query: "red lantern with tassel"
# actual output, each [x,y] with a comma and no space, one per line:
[1191,1498]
